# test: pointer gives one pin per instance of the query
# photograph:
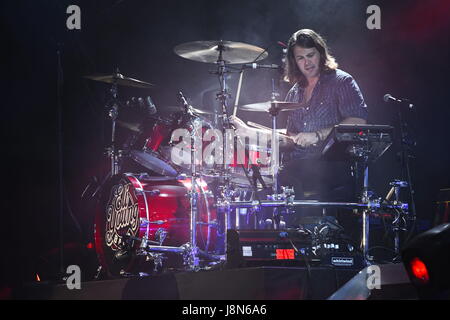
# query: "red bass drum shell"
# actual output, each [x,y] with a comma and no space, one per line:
[129,200]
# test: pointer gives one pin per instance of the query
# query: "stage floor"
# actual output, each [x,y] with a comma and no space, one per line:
[259,283]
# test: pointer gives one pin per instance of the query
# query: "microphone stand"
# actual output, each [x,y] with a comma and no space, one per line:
[406,154]
[60,83]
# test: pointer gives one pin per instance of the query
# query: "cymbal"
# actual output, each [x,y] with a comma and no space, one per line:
[209,51]
[265,106]
[120,80]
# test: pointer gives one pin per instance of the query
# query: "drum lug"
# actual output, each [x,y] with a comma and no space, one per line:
[161,235]
[145,222]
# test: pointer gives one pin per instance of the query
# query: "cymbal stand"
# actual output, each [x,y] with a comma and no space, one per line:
[192,252]
[113,113]
[363,158]
[193,194]
[223,96]
[275,158]
[274,110]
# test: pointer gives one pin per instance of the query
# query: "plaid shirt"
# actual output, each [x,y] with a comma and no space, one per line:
[335,97]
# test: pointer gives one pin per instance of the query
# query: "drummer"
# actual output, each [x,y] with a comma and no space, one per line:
[330,96]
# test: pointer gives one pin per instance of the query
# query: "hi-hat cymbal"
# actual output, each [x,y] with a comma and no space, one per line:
[120,80]
[267,105]
[209,51]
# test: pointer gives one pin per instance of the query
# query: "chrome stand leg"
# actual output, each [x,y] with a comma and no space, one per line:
[193,250]
[366,218]
[365,236]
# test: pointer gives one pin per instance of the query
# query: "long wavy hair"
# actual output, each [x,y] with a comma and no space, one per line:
[307,38]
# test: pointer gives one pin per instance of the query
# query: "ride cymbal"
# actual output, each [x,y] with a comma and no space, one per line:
[228,51]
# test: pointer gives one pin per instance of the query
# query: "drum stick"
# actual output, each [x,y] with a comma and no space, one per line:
[260,126]
[238,93]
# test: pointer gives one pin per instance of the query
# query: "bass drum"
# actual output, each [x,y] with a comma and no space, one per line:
[134,206]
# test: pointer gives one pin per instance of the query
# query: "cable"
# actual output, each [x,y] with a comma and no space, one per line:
[309,294]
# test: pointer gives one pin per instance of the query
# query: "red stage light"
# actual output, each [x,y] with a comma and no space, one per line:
[419,270]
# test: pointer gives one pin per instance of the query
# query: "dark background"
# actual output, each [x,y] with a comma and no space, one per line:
[408,57]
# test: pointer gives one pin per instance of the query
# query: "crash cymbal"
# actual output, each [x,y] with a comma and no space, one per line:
[120,80]
[209,51]
[265,106]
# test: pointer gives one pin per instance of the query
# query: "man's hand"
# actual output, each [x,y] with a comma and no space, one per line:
[306,139]
[238,123]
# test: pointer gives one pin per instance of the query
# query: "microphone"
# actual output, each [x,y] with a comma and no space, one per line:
[387,97]
[260,66]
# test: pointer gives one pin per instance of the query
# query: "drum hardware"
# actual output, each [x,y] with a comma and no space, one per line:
[145,222]
[148,246]
[161,235]
[221,53]
[399,222]
[113,113]
[191,255]
[374,205]
[115,80]
[157,259]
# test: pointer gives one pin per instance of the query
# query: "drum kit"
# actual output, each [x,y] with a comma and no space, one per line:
[173,212]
